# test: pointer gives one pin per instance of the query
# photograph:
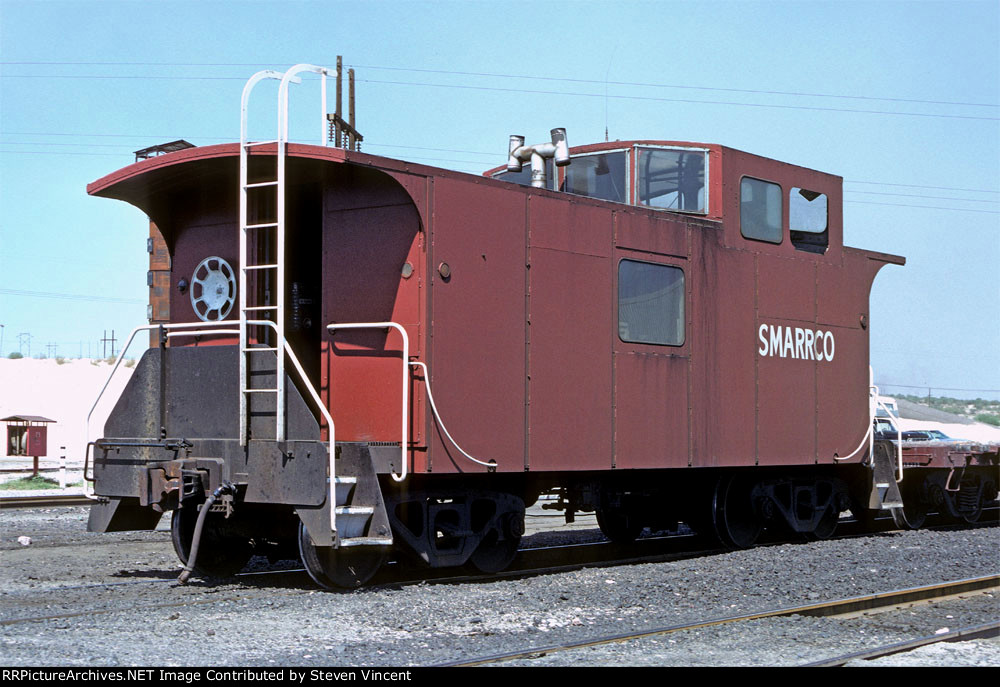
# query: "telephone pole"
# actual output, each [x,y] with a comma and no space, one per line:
[105,341]
[21,339]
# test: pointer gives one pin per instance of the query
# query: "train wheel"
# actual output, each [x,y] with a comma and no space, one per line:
[219,554]
[343,568]
[826,526]
[619,525]
[910,517]
[493,555]
[735,518]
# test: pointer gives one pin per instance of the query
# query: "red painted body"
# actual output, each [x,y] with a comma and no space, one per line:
[521,338]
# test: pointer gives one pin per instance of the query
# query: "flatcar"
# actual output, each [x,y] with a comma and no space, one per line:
[368,357]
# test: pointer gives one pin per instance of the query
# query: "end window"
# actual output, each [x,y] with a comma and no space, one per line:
[600,176]
[760,210]
[671,179]
[808,220]
[650,303]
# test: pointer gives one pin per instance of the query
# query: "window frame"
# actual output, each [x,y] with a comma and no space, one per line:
[683,303]
[634,177]
[781,197]
[799,236]
[627,193]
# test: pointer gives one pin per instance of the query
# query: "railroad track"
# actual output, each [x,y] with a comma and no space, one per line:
[48,501]
[991,629]
[840,608]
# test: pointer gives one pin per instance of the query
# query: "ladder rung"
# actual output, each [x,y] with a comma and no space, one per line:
[265,225]
[250,144]
[260,307]
[257,350]
[261,267]
[260,391]
[259,184]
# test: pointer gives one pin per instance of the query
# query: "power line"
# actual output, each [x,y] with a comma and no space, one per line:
[917,195]
[679,100]
[543,92]
[678,86]
[938,188]
[533,77]
[938,388]
[922,207]
[71,296]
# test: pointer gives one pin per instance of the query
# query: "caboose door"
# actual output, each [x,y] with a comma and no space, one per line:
[651,359]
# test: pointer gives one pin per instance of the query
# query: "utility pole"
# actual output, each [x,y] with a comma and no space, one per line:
[21,338]
[52,348]
[105,341]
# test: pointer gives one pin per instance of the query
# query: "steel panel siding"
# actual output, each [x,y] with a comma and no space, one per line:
[570,386]
[477,352]
[368,233]
[786,288]
[571,224]
[786,413]
[842,401]
[649,232]
[651,409]
[722,336]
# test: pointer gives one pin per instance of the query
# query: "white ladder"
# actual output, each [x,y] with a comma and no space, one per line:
[274,310]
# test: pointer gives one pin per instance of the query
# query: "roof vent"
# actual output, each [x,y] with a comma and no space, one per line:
[558,150]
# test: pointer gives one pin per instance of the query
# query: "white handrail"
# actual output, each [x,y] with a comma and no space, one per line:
[874,401]
[403,442]
[291,356]
[894,421]
[404,438]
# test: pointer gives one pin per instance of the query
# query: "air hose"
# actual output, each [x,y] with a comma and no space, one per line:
[224,488]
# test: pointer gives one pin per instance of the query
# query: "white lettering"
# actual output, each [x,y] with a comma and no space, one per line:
[776,342]
[795,342]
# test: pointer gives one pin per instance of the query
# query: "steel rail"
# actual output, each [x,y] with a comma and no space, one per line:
[50,501]
[964,634]
[825,609]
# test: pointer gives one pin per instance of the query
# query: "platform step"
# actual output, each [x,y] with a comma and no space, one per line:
[344,486]
[884,488]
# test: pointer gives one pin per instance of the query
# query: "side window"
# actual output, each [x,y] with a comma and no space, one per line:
[599,176]
[671,179]
[650,303]
[760,210]
[807,220]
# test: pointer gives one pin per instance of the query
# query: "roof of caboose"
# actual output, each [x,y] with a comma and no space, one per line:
[148,184]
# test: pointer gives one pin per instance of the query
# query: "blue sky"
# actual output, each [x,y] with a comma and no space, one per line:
[899,98]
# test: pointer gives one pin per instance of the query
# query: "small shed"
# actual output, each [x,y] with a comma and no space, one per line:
[27,435]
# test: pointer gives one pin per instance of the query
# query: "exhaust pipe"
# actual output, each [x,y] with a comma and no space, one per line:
[519,153]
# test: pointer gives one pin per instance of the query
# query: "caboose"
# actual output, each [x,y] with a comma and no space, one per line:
[366,355]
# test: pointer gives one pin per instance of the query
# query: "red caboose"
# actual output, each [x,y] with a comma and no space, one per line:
[662,332]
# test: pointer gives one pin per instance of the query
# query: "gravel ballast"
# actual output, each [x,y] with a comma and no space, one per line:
[144,618]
